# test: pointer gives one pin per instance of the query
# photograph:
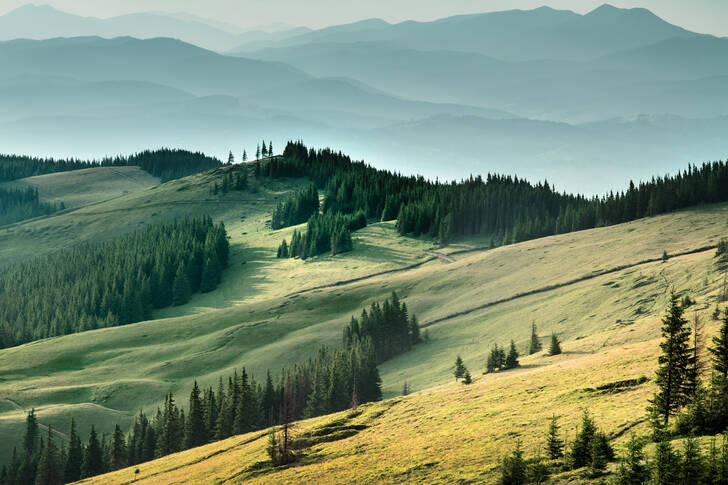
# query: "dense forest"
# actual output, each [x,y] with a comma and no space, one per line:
[506,208]
[20,204]
[297,208]
[113,283]
[329,232]
[332,380]
[164,163]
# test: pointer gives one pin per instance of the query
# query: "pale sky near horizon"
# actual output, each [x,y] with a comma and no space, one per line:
[705,16]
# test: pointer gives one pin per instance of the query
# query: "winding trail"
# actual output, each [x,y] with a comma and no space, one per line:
[41,426]
[556,286]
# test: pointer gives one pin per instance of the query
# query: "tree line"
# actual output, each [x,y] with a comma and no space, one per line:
[296,209]
[111,283]
[165,163]
[325,233]
[17,204]
[330,381]
[507,208]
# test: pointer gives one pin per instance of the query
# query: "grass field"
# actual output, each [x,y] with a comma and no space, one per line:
[82,187]
[253,320]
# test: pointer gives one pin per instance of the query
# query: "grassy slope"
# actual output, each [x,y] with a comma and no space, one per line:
[457,434]
[82,187]
[70,375]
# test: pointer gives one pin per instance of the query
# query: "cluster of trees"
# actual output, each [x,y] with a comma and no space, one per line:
[112,283]
[14,167]
[20,204]
[297,208]
[388,326]
[328,232]
[331,381]
[499,360]
[590,449]
[233,178]
[265,151]
[508,208]
[165,163]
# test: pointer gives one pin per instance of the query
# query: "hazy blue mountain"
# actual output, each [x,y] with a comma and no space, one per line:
[44,22]
[161,61]
[543,33]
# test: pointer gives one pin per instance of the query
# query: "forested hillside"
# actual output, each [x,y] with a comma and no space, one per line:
[103,285]
[19,204]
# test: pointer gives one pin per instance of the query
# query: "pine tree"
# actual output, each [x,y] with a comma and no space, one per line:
[195,432]
[601,453]
[245,156]
[231,158]
[180,287]
[467,379]
[32,435]
[75,455]
[535,341]
[512,357]
[257,153]
[49,471]
[93,460]
[405,389]
[554,443]
[513,467]
[118,451]
[264,150]
[692,464]
[719,352]
[459,368]
[666,464]
[270,148]
[581,449]
[555,348]
[673,362]
[633,470]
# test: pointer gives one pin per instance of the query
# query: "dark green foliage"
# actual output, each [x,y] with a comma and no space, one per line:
[665,469]
[387,326]
[665,257]
[170,428]
[50,466]
[195,431]
[297,208]
[329,232]
[20,204]
[581,454]
[72,470]
[512,357]
[513,468]
[537,471]
[633,468]
[496,359]
[692,466]
[673,363]
[535,345]
[112,283]
[554,443]
[601,452]
[467,379]
[31,442]
[555,347]
[93,460]
[460,369]
[118,455]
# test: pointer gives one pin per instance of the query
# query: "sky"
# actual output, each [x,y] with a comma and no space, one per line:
[705,16]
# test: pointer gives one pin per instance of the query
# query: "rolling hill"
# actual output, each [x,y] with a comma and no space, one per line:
[605,305]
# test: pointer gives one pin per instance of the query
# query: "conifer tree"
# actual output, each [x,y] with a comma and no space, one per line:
[264,150]
[231,158]
[93,460]
[581,449]
[719,351]
[554,443]
[180,287]
[270,148]
[72,471]
[673,363]
[467,379]
[195,431]
[459,368]
[512,357]
[118,451]
[257,153]
[555,348]
[245,156]
[692,466]
[31,442]
[633,469]
[49,471]
[405,389]
[665,469]
[535,341]
[513,467]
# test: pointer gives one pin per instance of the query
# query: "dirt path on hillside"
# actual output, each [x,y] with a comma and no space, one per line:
[556,286]
[41,426]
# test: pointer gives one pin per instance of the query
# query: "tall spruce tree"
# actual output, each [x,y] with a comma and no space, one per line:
[195,431]
[181,287]
[459,371]
[93,459]
[666,465]
[512,357]
[535,345]
[118,450]
[555,347]
[72,471]
[31,442]
[673,363]
[50,469]
[554,443]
